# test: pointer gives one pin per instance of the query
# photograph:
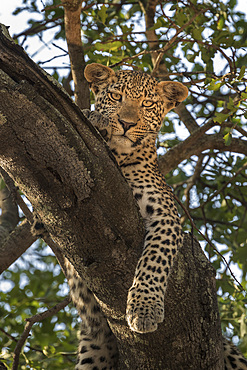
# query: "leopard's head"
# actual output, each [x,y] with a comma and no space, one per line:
[134,102]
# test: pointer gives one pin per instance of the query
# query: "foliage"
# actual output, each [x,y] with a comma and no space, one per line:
[208,54]
[34,284]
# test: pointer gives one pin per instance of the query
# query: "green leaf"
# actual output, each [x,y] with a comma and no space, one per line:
[241,73]
[197,33]
[232,105]
[221,23]
[102,14]
[2,183]
[244,95]
[220,117]
[191,57]
[156,25]
[214,85]
[181,18]
[228,138]
[109,46]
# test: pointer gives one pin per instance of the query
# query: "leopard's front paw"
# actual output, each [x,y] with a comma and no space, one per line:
[99,121]
[86,113]
[144,311]
[38,228]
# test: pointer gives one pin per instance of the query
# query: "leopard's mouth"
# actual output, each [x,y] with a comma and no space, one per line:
[124,136]
[121,133]
[127,137]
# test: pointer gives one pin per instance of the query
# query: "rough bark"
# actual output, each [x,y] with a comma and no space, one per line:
[15,244]
[66,171]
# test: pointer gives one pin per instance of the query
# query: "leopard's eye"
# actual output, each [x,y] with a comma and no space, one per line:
[115,96]
[148,103]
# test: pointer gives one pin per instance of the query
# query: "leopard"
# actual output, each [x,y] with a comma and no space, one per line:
[129,110]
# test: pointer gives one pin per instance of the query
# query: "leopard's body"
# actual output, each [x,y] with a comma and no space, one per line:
[129,109]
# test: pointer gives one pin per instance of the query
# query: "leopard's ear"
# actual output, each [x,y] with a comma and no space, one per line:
[172,92]
[98,76]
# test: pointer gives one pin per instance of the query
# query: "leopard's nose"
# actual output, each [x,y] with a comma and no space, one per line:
[126,125]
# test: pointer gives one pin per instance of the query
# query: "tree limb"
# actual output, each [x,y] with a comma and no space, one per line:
[9,217]
[12,243]
[72,23]
[15,240]
[149,12]
[186,117]
[195,145]
[15,245]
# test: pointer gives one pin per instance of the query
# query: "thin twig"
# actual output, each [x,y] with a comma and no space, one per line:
[172,40]
[161,50]
[30,322]
[225,185]
[169,19]
[16,340]
[209,242]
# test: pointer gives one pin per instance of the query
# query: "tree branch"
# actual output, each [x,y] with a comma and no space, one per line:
[195,144]
[153,40]
[9,250]
[15,240]
[186,117]
[172,40]
[15,245]
[9,217]
[72,23]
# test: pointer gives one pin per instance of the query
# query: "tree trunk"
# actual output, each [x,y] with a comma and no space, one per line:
[68,174]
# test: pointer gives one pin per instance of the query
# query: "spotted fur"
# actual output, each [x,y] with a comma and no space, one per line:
[97,345]
[129,109]
[233,358]
[135,104]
